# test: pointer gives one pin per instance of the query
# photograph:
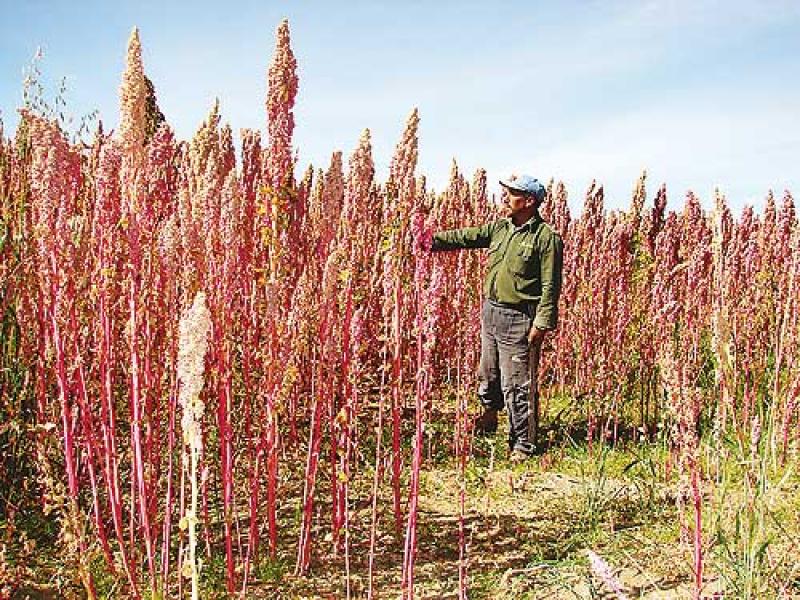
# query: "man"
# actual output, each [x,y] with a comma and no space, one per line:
[521,290]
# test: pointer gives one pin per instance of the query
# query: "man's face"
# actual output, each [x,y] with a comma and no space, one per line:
[516,202]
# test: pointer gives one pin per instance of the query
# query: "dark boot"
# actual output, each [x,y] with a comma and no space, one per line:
[486,424]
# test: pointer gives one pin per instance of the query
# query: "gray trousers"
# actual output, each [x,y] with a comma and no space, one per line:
[507,375]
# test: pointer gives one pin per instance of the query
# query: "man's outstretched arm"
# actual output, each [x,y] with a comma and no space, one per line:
[468,237]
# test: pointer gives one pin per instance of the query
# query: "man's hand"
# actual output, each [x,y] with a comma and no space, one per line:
[424,242]
[536,336]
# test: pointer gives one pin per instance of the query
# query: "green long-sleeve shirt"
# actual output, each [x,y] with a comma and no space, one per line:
[524,264]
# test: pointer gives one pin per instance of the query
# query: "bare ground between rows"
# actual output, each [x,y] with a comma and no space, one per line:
[526,533]
[525,537]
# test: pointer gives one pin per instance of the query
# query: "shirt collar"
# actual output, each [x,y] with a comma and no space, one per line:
[529,224]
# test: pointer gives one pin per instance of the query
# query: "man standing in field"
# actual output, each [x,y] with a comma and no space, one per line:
[521,290]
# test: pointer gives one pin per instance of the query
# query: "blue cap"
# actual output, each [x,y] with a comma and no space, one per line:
[525,184]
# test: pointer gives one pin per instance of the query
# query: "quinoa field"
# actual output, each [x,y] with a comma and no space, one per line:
[224,376]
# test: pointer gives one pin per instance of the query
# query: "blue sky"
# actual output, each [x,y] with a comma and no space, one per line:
[702,93]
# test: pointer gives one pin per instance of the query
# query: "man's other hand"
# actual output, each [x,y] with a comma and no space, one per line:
[536,336]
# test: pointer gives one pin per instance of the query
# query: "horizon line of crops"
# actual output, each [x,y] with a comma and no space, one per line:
[326,326]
